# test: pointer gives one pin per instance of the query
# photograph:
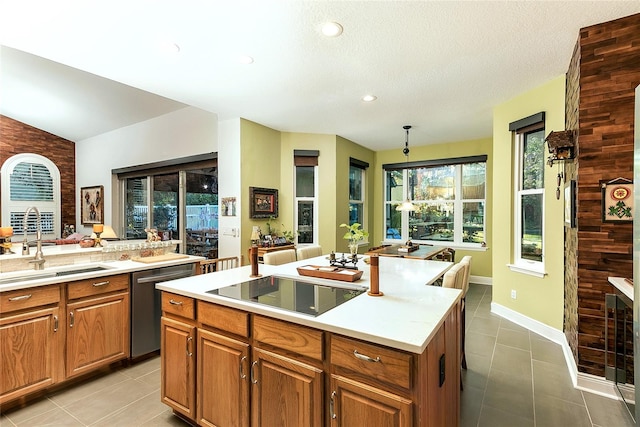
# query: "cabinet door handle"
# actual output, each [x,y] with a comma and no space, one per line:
[252,372]
[55,323]
[106,282]
[189,340]
[174,302]
[365,357]
[71,319]
[332,407]
[20,298]
[242,374]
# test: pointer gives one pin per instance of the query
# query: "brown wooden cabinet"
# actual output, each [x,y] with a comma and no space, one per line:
[31,340]
[178,366]
[355,403]
[223,380]
[246,369]
[285,392]
[97,324]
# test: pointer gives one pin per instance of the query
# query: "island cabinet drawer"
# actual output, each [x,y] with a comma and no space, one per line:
[27,298]
[97,286]
[372,361]
[224,318]
[288,336]
[179,305]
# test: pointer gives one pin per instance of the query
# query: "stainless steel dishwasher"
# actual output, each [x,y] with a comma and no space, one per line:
[146,306]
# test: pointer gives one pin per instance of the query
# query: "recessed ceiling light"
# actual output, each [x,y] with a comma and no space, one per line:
[369,98]
[169,47]
[331,29]
[245,59]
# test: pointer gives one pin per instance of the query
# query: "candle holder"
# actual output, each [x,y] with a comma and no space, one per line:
[97,241]
[5,245]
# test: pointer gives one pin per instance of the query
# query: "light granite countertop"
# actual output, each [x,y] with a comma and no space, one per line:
[623,286]
[25,279]
[406,317]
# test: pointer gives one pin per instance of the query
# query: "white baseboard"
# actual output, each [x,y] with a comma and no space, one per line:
[582,381]
[481,280]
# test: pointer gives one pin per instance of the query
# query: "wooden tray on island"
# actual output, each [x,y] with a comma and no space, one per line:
[330,272]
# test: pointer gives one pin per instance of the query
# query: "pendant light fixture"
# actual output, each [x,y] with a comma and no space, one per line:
[406,205]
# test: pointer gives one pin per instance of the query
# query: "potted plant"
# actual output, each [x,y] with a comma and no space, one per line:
[355,234]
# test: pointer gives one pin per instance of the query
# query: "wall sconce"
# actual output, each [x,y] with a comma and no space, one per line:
[561,146]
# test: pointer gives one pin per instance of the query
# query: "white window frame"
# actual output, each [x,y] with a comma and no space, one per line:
[523,265]
[458,204]
[49,207]
[313,199]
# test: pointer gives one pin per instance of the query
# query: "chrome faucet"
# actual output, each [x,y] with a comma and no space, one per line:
[39,260]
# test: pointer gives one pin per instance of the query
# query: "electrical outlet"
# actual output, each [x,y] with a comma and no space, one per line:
[513,294]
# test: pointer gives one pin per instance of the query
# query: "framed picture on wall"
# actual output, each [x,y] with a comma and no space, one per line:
[617,200]
[263,202]
[92,205]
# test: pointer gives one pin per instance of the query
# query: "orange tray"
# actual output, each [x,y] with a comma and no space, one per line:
[329,272]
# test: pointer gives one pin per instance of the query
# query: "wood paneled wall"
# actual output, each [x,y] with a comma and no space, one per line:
[17,138]
[609,74]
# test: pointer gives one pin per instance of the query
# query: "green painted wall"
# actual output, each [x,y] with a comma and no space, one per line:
[344,150]
[538,298]
[481,264]
[326,184]
[260,167]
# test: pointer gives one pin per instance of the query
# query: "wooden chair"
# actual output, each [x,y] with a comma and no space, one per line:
[309,252]
[218,264]
[279,257]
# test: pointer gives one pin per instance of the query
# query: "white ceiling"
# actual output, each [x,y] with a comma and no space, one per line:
[79,68]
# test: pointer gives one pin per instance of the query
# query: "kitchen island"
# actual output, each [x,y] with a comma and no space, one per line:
[390,360]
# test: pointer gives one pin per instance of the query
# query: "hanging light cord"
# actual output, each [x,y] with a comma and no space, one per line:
[406,142]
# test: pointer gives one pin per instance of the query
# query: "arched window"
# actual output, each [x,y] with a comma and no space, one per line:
[31,180]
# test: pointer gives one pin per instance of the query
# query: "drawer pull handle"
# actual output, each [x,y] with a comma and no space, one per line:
[106,282]
[242,374]
[366,358]
[55,323]
[252,372]
[174,302]
[332,405]
[20,298]
[189,340]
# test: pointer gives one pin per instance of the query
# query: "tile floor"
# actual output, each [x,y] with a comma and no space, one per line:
[514,378]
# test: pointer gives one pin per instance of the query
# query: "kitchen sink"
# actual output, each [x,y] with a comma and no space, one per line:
[24,276]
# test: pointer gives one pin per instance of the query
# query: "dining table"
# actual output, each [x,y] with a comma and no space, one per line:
[422,252]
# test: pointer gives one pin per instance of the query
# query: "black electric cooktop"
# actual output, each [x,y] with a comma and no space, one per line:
[290,294]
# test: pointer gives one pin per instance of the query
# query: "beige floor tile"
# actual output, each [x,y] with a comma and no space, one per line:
[137,413]
[509,393]
[108,401]
[5,422]
[470,404]
[547,351]
[607,412]
[494,417]
[32,410]
[481,344]
[554,381]
[142,368]
[57,417]
[484,325]
[513,360]
[166,419]
[512,338]
[551,412]
[82,390]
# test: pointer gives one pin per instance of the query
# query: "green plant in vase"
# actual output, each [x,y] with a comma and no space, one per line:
[354,235]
